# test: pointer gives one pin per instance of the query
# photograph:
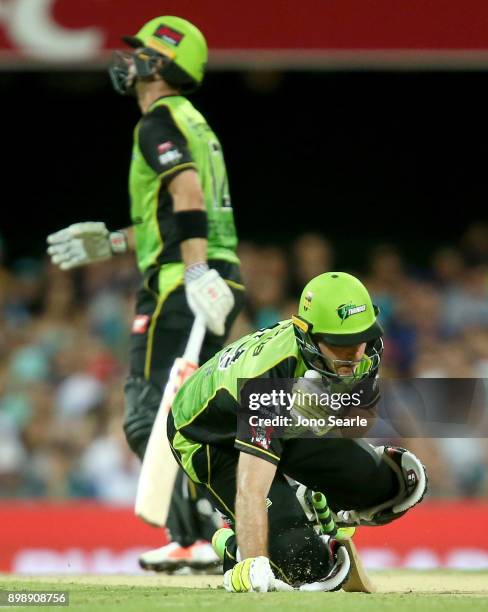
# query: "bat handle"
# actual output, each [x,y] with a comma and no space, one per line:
[324,515]
[195,341]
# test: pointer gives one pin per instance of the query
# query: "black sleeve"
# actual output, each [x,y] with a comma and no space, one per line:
[257,433]
[260,429]
[163,145]
[260,445]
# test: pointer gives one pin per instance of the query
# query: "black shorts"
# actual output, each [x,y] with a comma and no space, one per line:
[163,320]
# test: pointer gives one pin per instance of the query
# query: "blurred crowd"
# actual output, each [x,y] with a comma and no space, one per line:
[64,344]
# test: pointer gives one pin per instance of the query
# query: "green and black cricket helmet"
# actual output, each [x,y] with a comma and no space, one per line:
[336,308]
[169,46]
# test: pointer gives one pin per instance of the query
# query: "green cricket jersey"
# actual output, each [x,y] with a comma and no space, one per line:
[205,408]
[170,138]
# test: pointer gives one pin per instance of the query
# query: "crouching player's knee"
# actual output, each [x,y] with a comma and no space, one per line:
[142,400]
[411,477]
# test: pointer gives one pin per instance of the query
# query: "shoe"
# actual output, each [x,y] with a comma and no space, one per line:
[173,557]
[219,541]
[202,556]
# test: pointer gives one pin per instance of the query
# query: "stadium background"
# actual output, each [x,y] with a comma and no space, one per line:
[354,139]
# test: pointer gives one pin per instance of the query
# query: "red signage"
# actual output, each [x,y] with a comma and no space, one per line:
[72,538]
[41,538]
[279,31]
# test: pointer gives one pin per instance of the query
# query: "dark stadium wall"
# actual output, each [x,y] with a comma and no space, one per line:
[359,156]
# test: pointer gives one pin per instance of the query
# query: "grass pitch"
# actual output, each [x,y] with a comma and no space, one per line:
[398,591]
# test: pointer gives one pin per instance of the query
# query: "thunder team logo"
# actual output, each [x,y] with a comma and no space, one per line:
[346,310]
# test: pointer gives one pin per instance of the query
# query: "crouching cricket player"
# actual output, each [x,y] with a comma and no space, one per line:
[335,341]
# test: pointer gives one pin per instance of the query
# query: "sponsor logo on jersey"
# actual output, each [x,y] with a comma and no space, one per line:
[261,436]
[140,324]
[165,146]
[170,157]
[169,35]
[347,310]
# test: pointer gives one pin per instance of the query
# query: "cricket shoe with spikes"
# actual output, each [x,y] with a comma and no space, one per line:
[200,556]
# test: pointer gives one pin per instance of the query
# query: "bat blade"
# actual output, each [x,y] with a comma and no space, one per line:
[358,580]
[159,467]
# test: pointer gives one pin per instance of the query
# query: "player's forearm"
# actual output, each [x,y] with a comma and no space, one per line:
[251,525]
[193,250]
[190,217]
[254,478]
[192,226]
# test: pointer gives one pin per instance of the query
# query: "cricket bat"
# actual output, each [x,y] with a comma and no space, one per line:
[159,466]
[358,580]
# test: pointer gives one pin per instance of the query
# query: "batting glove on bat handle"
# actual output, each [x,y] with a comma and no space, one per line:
[84,243]
[208,296]
[253,575]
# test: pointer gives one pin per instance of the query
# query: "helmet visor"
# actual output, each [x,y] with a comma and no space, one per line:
[122,72]
[126,67]
[342,370]
[345,370]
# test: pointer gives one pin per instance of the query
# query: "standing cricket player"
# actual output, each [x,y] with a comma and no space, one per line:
[333,344]
[185,242]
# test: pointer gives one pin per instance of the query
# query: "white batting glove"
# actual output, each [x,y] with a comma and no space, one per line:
[84,243]
[253,575]
[208,296]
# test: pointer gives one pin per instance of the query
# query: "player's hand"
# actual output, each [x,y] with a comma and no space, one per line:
[250,576]
[208,296]
[84,243]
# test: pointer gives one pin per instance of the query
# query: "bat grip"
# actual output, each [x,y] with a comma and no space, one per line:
[324,515]
[195,341]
